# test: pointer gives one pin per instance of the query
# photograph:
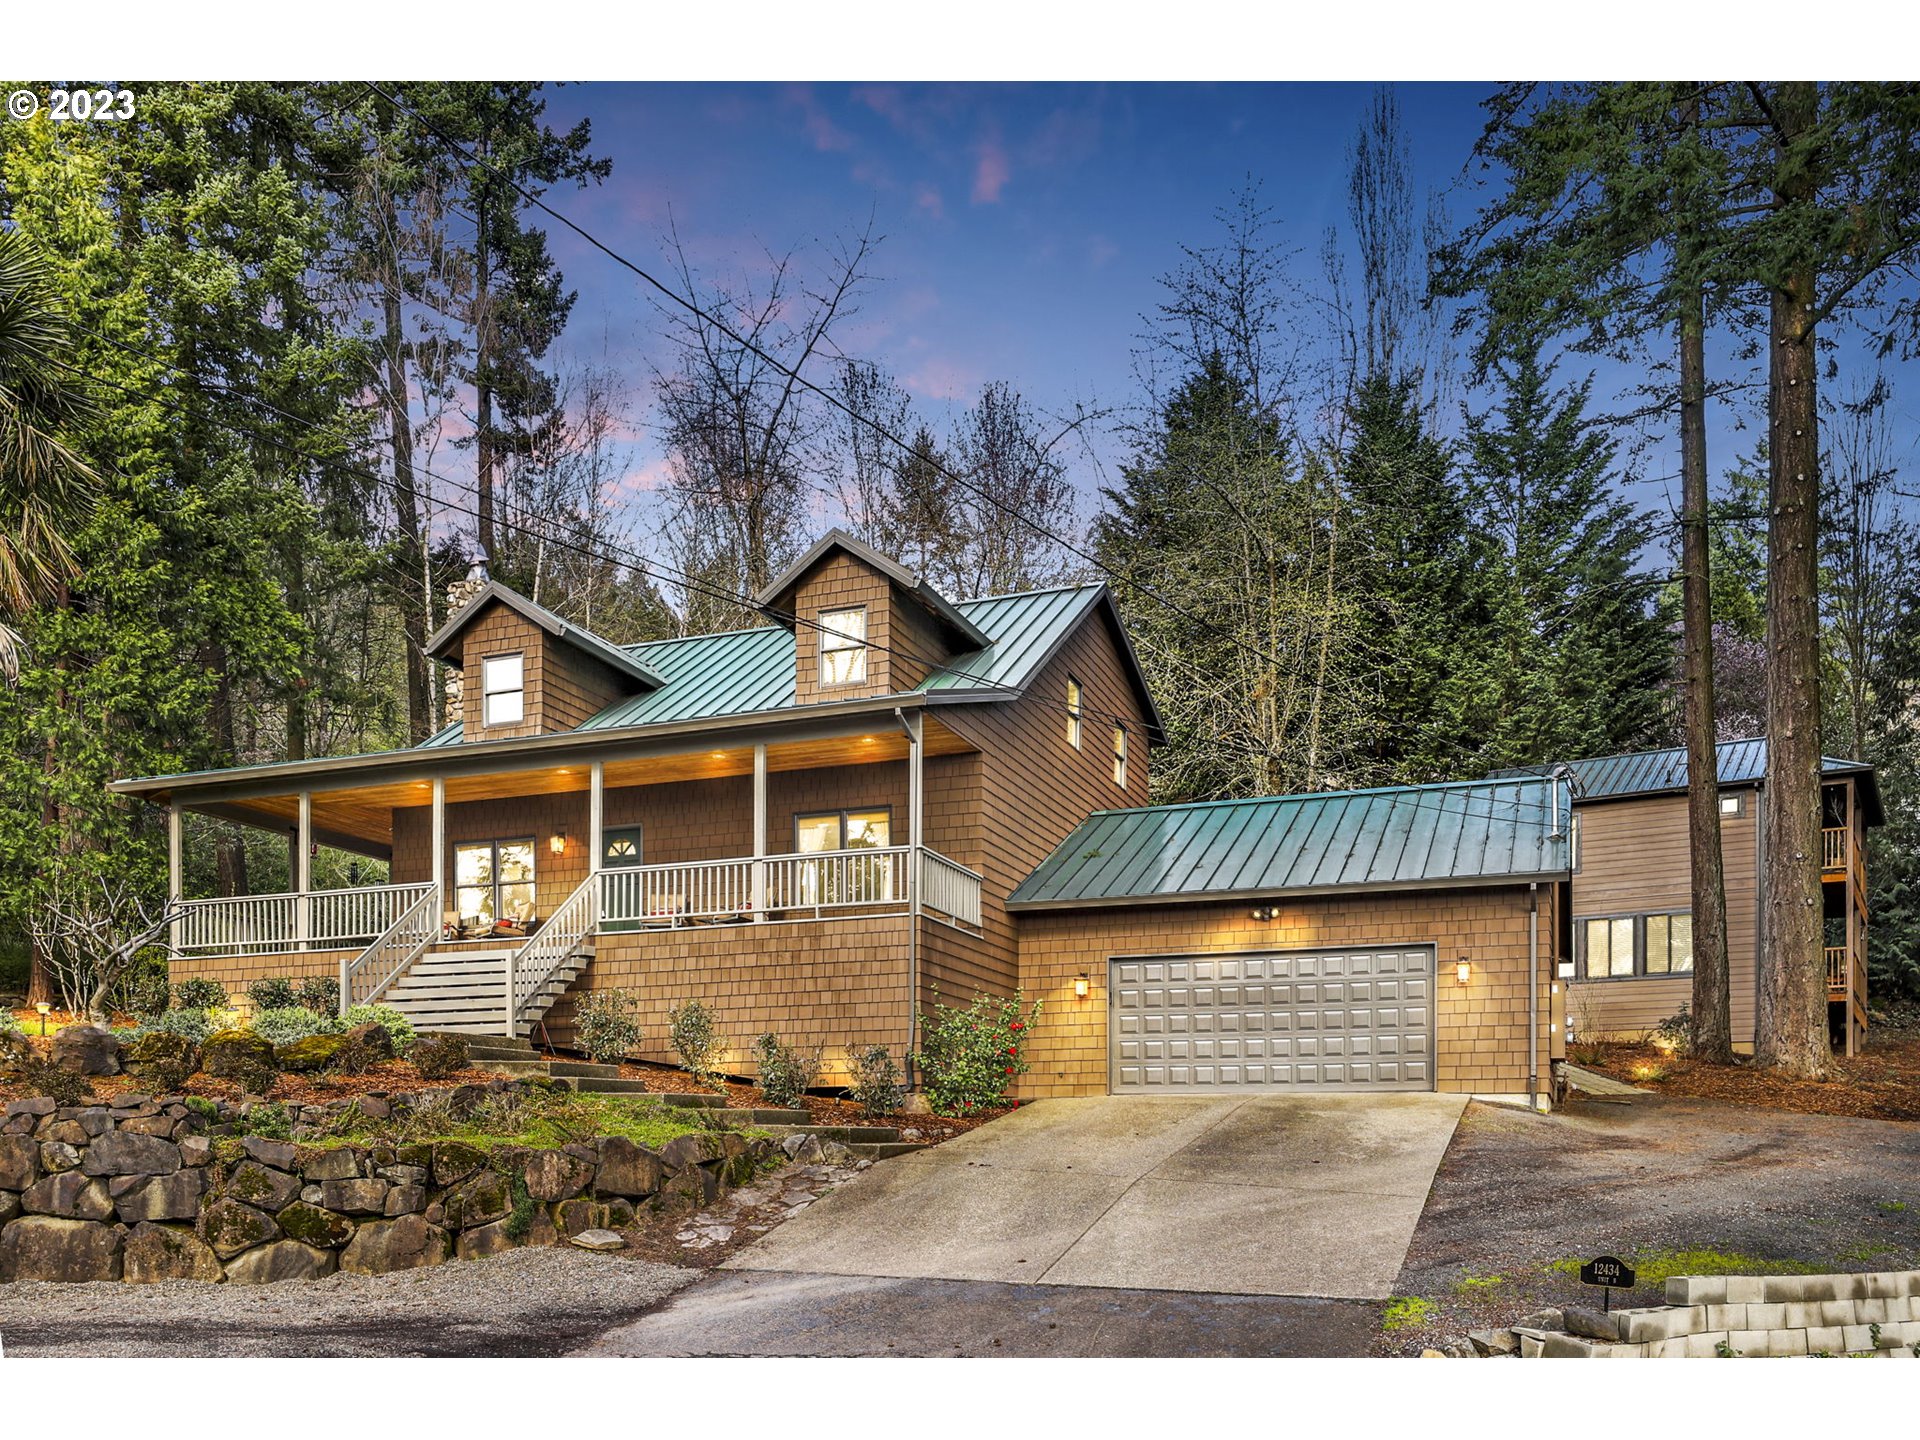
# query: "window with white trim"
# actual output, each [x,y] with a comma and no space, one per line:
[503,689]
[1073,712]
[1120,756]
[843,646]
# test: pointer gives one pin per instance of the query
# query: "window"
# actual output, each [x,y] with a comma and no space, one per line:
[1073,712]
[493,880]
[1615,947]
[846,879]
[504,701]
[1120,756]
[842,830]
[843,647]
[1733,805]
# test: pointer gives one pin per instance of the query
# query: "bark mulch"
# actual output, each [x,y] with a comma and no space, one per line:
[1881,1083]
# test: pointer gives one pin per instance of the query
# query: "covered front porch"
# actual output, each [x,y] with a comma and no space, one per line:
[537,863]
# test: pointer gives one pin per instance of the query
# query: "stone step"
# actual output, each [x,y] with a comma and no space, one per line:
[691,1100]
[775,1117]
[845,1134]
[889,1149]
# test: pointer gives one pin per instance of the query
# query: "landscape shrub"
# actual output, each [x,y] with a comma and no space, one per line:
[1675,1033]
[785,1073]
[194,1025]
[399,1029]
[321,993]
[274,993]
[439,1057]
[357,1054]
[878,1086]
[147,993]
[285,1024]
[607,1025]
[206,1109]
[270,1121]
[696,1040]
[8,1024]
[257,1078]
[163,1059]
[200,995]
[971,1055]
[40,1076]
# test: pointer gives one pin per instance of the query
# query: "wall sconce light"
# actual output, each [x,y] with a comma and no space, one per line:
[1266,912]
[1080,987]
[43,1007]
[1463,971]
[557,842]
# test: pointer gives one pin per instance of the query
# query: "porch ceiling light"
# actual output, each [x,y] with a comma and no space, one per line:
[1463,971]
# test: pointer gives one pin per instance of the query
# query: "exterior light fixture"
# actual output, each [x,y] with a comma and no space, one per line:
[1080,988]
[1463,971]
[43,1007]
[1266,912]
[866,739]
[557,842]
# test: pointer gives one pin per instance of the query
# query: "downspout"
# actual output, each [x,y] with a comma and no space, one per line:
[1533,995]
[913,918]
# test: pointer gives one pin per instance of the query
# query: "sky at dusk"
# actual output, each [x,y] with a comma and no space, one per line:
[1024,225]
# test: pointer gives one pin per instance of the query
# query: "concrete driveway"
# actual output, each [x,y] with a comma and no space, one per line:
[1274,1195]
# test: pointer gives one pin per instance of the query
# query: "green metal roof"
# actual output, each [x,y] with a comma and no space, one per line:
[1480,832]
[1025,630]
[1664,772]
[739,672]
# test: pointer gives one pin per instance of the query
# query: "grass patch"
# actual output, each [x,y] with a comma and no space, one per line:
[538,1120]
[1866,1254]
[1404,1312]
[1656,1267]
[1471,1284]
[1894,1207]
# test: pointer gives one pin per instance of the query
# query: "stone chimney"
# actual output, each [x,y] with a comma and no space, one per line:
[459,595]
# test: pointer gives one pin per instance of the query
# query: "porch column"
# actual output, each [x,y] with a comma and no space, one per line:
[439,843]
[759,832]
[303,872]
[916,728]
[176,868]
[596,813]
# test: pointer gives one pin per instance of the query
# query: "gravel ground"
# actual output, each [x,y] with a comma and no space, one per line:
[526,1302]
[1517,1192]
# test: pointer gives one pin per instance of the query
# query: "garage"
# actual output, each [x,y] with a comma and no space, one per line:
[1325,1020]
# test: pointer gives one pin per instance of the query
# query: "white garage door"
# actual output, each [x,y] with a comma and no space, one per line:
[1284,1020]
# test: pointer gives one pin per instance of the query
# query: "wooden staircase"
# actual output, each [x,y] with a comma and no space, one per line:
[463,990]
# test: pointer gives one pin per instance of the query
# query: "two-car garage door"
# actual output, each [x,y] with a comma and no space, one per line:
[1283,1020]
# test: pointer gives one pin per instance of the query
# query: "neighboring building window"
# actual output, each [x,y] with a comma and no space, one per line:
[503,689]
[1733,805]
[843,647]
[1120,756]
[1073,712]
[1616,947]
[493,880]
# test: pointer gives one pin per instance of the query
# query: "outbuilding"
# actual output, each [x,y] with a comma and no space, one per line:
[1392,939]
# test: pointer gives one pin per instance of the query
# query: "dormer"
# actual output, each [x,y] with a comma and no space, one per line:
[525,671]
[863,624]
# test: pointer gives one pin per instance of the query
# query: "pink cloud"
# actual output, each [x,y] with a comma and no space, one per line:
[991,171]
[820,130]
[927,201]
[938,378]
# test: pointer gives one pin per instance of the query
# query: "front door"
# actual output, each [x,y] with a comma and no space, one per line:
[621,850]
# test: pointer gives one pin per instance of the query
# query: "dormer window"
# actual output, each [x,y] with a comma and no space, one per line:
[504,699]
[1073,712]
[1120,756]
[843,646]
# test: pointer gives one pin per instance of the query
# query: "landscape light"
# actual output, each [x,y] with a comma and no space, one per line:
[43,1007]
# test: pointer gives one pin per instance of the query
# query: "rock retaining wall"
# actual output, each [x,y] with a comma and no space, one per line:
[147,1189]
[1757,1315]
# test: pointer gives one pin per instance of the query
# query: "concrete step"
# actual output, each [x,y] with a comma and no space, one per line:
[889,1149]
[845,1134]
[776,1117]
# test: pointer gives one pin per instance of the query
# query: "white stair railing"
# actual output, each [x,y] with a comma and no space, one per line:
[366,977]
[531,966]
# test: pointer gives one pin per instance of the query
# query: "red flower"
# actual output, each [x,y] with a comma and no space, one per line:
[1018,1026]
[1009,1069]
[1012,1051]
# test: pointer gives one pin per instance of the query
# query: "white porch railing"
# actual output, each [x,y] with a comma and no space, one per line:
[270,924]
[784,887]
[365,978]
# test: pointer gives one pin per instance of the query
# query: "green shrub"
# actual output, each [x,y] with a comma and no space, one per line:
[399,1029]
[1675,1033]
[878,1086]
[147,992]
[273,993]
[162,1058]
[607,1025]
[194,1025]
[356,1055]
[8,1024]
[39,1076]
[785,1074]
[321,993]
[691,1029]
[439,1057]
[285,1024]
[270,1121]
[257,1079]
[207,1110]
[970,1056]
[200,995]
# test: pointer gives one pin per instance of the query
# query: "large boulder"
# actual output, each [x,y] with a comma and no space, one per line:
[572,1217]
[71,1252]
[153,1253]
[500,1236]
[684,1151]
[162,1057]
[355,1197]
[372,1040]
[230,1227]
[231,1054]
[278,1153]
[19,1161]
[627,1169]
[72,1196]
[340,1164]
[478,1200]
[119,1153]
[454,1160]
[556,1175]
[407,1243]
[158,1197]
[262,1187]
[309,1055]
[311,1225]
[282,1260]
[15,1051]
[87,1050]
